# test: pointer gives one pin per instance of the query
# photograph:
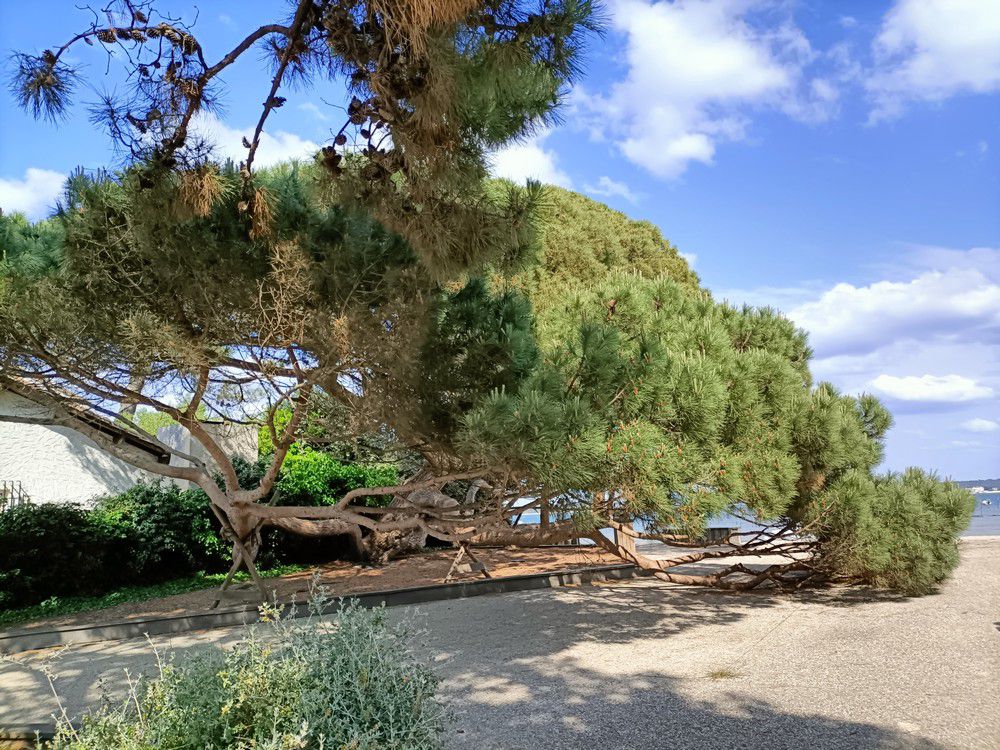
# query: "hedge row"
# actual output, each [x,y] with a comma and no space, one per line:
[150,534]
[155,532]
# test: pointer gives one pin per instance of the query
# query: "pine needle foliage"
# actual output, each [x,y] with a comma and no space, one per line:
[29,250]
[432,88]
[632,395]
[42,84]
[684,408]
[896,531]
[582,241]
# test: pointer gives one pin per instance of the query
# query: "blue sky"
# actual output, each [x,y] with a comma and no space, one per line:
[838,160]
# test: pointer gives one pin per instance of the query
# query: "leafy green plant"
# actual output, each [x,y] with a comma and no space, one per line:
[154,532]
[171,531]
[53,551]
[353,683]
[311,477]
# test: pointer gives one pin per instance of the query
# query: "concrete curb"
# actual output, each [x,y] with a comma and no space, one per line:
[24,738]
[12,642]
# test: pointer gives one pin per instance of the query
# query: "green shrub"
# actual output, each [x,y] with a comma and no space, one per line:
[896,531]
[298,684]
[310,477]
[157,532]
[171,533]
[55,550]
[150,533]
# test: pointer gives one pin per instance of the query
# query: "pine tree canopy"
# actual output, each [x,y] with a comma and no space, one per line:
[527,339]
[430,90]
[582,241]
[633,385]
[28,250]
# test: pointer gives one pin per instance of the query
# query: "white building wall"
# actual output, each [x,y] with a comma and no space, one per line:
[56,464]
[235,439]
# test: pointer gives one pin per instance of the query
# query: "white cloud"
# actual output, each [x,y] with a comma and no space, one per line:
[608,188]
[929,50]
[961,302]
[275,146]
[933,318]
[529,159]
[931,388]
[926,337]
[33,195]
[315,111]
[978,424]
[986,260]
[973,444]
[690,258]
[695,70]
[780,297]
[848,22]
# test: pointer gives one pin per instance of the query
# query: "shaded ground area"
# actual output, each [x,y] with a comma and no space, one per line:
[343,578]
[648,665]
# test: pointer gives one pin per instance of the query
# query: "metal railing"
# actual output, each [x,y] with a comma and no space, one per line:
[12,495]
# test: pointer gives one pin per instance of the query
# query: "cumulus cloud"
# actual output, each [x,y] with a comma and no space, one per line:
[986,260]
[978,424]
[926,336]
[695,71]
[608,188]
[960,301]
[33,195]
[781,297]
[275,147]
[931,388]
[529,159]
[929,50]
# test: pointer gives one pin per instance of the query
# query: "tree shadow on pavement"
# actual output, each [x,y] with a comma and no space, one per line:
[565,669]
[644,711]
[519,671]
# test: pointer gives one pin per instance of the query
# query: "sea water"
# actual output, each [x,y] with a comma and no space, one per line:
[985,518]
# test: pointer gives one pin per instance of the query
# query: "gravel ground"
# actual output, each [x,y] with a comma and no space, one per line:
[647,665]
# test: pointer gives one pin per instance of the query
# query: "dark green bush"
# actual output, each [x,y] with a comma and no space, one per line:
[156,532]
[56,550]
[170,533]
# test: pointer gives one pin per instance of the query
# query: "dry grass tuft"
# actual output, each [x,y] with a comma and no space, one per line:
[723,674]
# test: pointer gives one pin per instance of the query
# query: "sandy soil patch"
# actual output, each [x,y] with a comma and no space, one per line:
[343,578]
